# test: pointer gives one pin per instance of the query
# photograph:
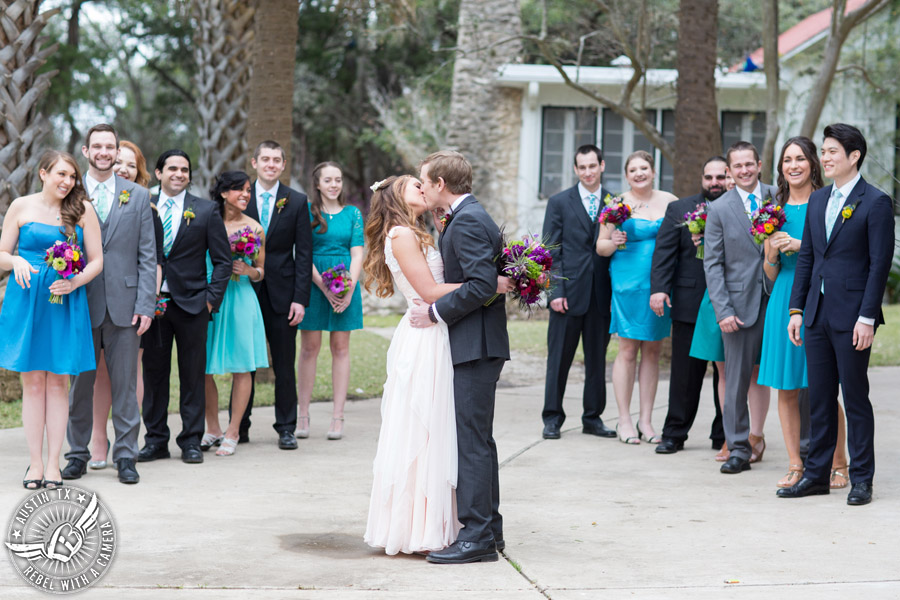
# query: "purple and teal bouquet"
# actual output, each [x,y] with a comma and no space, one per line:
[695,221]
[162,303]
[615,213]
[766,220]
[245,246]
[67,259]
[527,262]
[337,280]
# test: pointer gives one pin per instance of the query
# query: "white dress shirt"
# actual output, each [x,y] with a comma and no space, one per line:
[260,190]
[91,185]
[177,214]
[585,196]
[745,197]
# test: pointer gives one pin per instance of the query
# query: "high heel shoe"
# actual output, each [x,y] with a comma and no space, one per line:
[334,434]
[723,454]
[302,432]
[650,440]
[31,484]
[631,441]
[100,464]
[757,447]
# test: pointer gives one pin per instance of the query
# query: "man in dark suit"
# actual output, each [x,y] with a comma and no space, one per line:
[479,346]
[677,280]
[192,227]
[284,293]
[579,305]
[842,270]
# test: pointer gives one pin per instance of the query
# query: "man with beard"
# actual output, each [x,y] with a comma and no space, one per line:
[677,280]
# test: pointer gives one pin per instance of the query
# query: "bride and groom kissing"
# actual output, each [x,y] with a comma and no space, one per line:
[436,485]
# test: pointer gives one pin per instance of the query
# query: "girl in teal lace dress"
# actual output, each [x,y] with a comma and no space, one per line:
[337,234]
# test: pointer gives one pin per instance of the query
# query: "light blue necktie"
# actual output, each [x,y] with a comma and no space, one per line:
[102,201]
[168,237]
[753,205]
[834,207]
[592,209]
[266,211]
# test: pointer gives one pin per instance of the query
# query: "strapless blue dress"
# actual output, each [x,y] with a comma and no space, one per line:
[36,334]
[629,271]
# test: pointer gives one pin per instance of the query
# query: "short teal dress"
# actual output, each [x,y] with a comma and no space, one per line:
[36,335]
[236,335]
[707,341]
[629,271]
[345,230]
[783,365]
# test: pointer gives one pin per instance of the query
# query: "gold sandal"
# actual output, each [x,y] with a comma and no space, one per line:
[795,473]
[838,484]
[757,448]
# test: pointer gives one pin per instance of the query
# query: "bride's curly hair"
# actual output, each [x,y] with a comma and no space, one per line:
[388,209]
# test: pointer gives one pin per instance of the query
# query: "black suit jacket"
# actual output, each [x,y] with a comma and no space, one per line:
[288,263]
[184,269]
[568,227]
[469,243]
[676,269]
[854,262]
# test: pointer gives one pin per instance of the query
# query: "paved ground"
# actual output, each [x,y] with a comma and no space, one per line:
[585,518]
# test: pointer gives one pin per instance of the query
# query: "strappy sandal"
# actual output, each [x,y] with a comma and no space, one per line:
[209,440]
[795,473]
[31,484]
[723,454]
[650,440]
[227,447]
[839,484]
[302,433]
[336,435]
[51,484]
[631,441]
[756,453]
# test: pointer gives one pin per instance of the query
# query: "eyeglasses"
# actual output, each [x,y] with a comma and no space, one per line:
[717,177]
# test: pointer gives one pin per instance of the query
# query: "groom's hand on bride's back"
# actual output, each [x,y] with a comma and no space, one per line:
[418,315]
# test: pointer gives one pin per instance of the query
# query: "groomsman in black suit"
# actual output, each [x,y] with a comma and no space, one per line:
[842,270]
[284,293]
[192,227]
[579,306]
[677,279]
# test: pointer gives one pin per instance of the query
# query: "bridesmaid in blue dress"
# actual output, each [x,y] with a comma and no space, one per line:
[638,327]
[337,236]
[783,365]
[236,336]
[47,342]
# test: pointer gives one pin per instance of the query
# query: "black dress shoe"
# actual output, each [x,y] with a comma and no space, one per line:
[75,469]
[465,552]
[192,455]
[598,428]
[153,452]
[551,432]
[669,446]
[127,472]
[860,494]
[735,464]
[804,487]
[287,441]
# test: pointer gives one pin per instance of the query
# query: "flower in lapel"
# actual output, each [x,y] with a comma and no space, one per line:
[189,214]
[847,211]
[445,219]
[280,204]
[124,197]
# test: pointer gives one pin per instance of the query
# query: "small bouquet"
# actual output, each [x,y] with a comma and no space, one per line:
[765,221]
[67,259]
[615,213]
[162,303]
[337,279]
[527,262]
[245,246]
[695,221]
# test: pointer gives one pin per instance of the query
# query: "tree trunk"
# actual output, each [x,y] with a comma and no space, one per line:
[697,133]
[773,90]
[274,52]
[484,118]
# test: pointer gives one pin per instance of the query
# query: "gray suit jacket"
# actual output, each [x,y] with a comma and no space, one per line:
[127,284]
[733,261]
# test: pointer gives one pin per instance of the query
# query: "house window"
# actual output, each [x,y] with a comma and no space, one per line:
[743,126]
[621,138]
[564,130]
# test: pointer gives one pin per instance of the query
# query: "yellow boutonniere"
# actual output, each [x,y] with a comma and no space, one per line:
[124,197]
[281,204]
[189,214]
[847,211]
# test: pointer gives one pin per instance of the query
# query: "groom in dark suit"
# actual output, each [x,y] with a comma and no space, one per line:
[479,346]
[842,270]
[579,306]
[192,227]
[284,293]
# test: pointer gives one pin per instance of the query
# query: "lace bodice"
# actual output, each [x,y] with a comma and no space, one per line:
[432,257]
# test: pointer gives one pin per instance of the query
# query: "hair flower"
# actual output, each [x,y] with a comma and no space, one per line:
[124,197]
[377,185]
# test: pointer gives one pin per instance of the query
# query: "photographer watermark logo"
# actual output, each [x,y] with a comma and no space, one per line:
[61,540]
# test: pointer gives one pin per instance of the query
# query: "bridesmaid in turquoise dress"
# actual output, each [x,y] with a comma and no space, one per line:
[48,342]
[337,235]
[236,337]
[638,327]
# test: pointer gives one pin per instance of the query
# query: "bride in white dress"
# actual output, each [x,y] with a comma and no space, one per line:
[413,503]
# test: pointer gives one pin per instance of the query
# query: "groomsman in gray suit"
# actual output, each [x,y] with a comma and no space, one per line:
[121,301]
[734,275]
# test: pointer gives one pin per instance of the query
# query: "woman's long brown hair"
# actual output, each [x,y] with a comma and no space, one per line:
[388,209]
[315,197]
[808,148]
[72,207]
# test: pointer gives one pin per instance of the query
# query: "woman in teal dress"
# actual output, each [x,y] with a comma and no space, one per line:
[236,336]
[638,327]
[783,365]
[337,235]
[48,342]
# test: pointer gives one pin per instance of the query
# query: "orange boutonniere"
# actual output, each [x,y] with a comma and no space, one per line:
[189,214]
[124,197]
[847,211]
[281,204]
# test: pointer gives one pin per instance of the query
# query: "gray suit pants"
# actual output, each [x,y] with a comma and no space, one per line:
[120,346]
[742,350]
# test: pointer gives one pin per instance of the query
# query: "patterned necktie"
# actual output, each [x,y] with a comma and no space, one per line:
[168,237]
[266,211]
[101,202]
[753,205]
[592,208]
[834,207]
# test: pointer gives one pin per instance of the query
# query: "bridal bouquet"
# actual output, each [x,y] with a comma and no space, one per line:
[527,262]
[766,220]
[245,246]
[615,213]
[337,280]
[67,259]
[695,221]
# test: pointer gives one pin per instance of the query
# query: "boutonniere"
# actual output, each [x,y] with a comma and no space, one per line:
[608,199]
[124,197]
[847,211]
[189,214]
[445,219]
[281,204]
